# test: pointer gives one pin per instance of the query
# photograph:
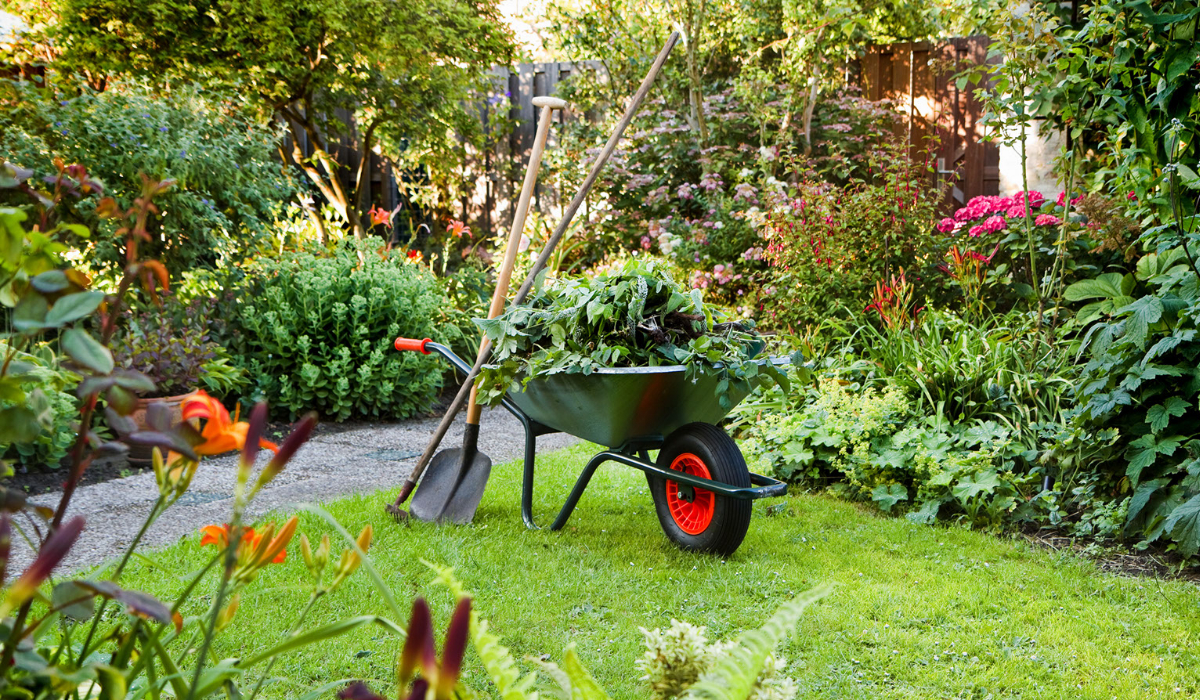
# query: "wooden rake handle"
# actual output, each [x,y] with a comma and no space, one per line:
[548,105]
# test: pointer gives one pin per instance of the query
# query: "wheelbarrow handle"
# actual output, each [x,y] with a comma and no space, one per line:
[412,345]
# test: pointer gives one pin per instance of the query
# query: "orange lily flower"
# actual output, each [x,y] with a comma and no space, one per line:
[380,216]
[257,548]
[220,434]
[458,228]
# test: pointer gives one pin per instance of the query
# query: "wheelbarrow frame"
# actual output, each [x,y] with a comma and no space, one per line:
[632,452]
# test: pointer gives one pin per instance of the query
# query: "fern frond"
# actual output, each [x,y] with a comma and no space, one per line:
[499,663]
[733,674]
[583,686]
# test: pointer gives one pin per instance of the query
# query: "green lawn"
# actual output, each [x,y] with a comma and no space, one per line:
[918,612]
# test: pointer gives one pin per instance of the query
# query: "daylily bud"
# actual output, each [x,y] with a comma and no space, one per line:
[187,471]
[350,559]
[287,450]
[5,544]
[50,555]
[306,552]
[321,557]
[277,549]
[418,645]
[226,616]
[258,421]
[160,473]
[452,651]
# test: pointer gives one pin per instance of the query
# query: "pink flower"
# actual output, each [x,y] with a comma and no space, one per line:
[946,225]
[976,231]
[645,243]
[1016,211]
[1047,220]
[994,224]
[1062,198]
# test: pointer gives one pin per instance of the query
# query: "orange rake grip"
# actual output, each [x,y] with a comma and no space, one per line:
[412,344]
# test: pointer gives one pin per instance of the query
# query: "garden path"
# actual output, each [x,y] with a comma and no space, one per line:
[333,464]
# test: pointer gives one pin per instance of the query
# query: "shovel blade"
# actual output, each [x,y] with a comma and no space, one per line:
[451,489]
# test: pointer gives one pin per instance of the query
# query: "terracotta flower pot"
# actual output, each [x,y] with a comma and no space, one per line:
[141,455]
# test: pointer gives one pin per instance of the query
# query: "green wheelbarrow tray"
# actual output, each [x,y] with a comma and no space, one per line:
[630,410]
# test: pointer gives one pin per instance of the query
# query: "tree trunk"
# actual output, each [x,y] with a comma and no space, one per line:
[327,182]
[362,181]
[694,28]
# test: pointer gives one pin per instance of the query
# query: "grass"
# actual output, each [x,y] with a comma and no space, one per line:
[918,612]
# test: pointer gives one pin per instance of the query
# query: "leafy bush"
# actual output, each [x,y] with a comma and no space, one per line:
[47,389]
[1142,380]
[870,444]
[169,344]
[229,186]
[315,331]
[829,244]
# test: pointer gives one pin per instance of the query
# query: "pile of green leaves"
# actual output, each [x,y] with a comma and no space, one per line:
[315,329]
[637,317]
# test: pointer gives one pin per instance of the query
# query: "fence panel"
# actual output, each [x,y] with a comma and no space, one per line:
[919,78]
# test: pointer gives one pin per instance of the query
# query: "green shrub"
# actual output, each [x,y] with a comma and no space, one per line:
[47,389]
[229,186]
[316,332]
[870,444]
[1142,380]
[829,245]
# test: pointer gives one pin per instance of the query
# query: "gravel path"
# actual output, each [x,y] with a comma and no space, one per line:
[359,460]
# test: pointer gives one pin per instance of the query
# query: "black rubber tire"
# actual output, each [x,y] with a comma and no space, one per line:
[721,456]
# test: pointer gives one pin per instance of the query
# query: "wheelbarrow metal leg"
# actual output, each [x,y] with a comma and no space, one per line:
[581,485]
[527,477]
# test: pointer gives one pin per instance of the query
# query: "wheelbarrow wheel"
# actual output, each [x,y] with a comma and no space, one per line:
[696,519]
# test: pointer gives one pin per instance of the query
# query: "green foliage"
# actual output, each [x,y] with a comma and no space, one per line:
[1141,379]
[315,331]
[681,662]
[229,186]
[635,318]
[402,72]
[46,387]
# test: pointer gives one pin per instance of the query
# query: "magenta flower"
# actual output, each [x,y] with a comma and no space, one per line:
[994,224]
[946,225]
[976,231]
[1047,220]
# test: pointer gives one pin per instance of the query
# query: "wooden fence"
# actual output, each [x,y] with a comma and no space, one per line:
[919,78]
[498,171]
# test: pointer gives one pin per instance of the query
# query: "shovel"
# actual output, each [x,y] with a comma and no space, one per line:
[455,479]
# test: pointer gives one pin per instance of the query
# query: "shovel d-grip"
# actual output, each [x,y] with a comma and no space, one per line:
[700,483]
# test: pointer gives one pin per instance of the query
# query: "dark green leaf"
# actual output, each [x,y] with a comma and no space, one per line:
[73,307]
[87,351]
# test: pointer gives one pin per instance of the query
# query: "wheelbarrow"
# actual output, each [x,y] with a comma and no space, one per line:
[700,483]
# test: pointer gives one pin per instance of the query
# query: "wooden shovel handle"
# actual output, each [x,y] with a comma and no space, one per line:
[548,105]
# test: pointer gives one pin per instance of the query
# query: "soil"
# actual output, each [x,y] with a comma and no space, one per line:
[1154,562]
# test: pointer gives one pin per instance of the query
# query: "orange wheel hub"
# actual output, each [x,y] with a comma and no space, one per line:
[693,515]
